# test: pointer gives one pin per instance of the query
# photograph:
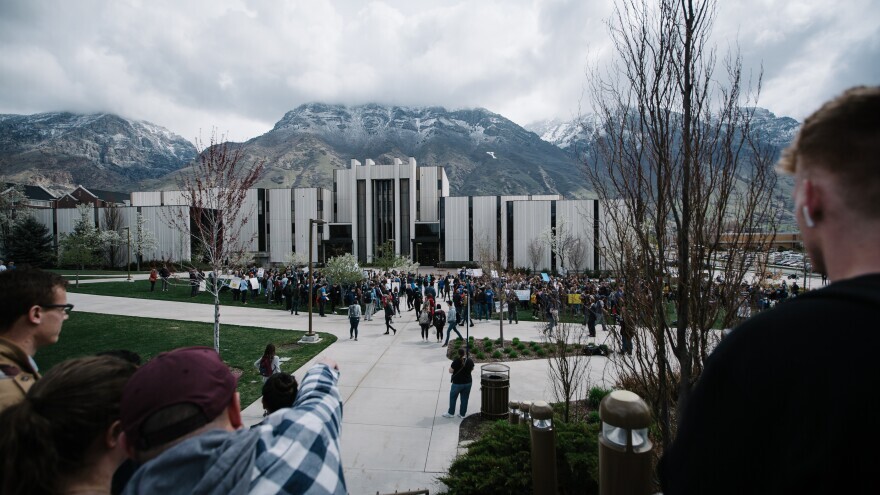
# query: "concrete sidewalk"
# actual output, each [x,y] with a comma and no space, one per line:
[394,387]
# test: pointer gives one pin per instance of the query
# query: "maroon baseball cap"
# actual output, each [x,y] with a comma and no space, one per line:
[190,375]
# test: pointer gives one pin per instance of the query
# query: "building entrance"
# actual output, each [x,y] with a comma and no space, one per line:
[426,253]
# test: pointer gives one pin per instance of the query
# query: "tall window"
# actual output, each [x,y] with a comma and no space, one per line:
[383,210]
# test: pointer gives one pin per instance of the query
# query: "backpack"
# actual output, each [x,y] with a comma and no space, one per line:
[423,318]
[368,296]
[439,318]
[265,367]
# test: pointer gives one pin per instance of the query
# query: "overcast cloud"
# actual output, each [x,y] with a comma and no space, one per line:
[240,65]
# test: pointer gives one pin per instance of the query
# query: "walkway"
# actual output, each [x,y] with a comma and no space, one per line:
[394,387]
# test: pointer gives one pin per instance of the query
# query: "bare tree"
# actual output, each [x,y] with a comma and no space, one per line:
[112,224]
[675,160]
[536,253]
[568,367]
[142,239]
[214,186]
[577,253]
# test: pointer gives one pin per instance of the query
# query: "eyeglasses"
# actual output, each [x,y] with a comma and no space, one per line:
[66,307]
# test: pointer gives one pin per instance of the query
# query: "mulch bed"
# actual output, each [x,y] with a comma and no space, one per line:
[488,353]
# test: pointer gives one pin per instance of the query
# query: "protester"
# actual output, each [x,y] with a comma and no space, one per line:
[461,384]
[33,310]
[773,412]
[182,419]
[64,436]
[451,321]
[439,322]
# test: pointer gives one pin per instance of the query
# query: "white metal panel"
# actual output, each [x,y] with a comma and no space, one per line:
[146,198]
[574,220]
[456,239]
[485,239]
[344,195]
[429,195]
[545,197]
[248,211]
[174,198]
[45,216]
[280,220]
[531,219]
[67,218]
[305,207]
[171,243]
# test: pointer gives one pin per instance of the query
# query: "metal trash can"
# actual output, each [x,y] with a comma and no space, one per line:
[495,390]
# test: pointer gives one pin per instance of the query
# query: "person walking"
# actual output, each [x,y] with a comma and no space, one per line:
[154,276]
[424,323]
[369,303]
[354,318]
[461,384]
[452,324]
[439,321]
[389,314]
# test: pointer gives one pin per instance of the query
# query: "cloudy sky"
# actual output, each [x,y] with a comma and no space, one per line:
[240,65]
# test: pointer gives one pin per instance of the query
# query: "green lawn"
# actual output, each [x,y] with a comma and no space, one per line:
[71,274]
[89,333]
[178,291]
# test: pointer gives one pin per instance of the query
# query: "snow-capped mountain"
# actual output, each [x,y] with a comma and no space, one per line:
[103,151]
[482,152]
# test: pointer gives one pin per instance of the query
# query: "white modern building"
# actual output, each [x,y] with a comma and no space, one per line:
[399,203]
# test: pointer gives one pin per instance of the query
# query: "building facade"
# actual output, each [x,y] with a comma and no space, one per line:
[401,205]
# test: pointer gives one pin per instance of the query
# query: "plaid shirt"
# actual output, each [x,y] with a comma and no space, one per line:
[298,448]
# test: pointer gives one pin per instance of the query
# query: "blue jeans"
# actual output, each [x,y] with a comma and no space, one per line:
[463,389]
[449,332]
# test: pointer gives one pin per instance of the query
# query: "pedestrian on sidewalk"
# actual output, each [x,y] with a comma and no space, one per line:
[425,324]
[354,318]
[461,384]
[389,314]
[452,324]
[439,321]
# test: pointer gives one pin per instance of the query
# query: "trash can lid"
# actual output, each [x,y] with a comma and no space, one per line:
[495,367]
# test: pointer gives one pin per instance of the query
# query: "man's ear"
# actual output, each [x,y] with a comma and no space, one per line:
[113,434]
[234,411]
[35,314]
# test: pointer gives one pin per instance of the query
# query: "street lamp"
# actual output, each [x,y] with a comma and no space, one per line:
[311,337]
[128,235]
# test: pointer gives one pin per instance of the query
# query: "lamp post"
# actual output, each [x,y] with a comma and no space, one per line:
[128,262]
[311,337]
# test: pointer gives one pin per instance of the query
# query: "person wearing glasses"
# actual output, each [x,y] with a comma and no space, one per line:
[33,310]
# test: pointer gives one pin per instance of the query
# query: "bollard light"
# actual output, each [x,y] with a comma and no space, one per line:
[513,412]
[543,438]
[542,415]
[524,416]
[624,446]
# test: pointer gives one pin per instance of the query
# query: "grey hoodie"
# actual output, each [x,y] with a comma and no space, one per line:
[216,462]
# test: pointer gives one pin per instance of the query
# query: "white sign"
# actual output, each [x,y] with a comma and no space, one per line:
[255,284]
[260,273]
[523,295]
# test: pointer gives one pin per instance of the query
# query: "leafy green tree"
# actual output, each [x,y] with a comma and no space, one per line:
[83,247]
[343,270]
[30,243]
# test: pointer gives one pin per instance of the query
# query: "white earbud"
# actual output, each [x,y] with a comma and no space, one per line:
[807,218]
